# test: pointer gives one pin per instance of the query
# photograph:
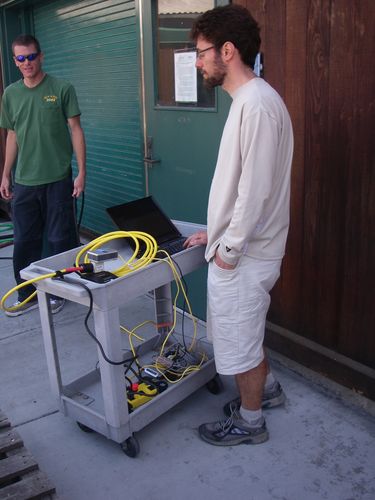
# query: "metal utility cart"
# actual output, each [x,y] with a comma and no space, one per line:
[98,399]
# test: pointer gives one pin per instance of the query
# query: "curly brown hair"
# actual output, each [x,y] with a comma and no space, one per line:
[231,23]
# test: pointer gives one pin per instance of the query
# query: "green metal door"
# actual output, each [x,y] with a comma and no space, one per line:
[94,44]
[182,133]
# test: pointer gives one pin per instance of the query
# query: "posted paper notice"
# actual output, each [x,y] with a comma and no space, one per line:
[185,76]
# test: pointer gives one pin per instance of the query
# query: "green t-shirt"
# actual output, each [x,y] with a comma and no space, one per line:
[39,116]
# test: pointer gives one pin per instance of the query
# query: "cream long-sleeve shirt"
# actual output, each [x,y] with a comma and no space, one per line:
[248,209]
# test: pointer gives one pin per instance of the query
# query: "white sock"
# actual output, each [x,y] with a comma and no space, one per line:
[252,417]
[270,380]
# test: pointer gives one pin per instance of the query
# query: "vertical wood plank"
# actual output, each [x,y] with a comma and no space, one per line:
[357,312]
[257,9]
[333,187]
[285,306]
[317,86]
[275,53]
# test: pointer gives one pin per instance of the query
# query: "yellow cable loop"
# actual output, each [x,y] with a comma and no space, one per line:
[132,264]
[30,297]
[180,286]
[132,334]
[190,312]
[188,369]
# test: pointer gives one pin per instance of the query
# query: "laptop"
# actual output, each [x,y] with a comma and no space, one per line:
[145,215]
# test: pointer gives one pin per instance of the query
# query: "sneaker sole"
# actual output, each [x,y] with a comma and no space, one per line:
[13,314]
[269,403]
[260,438]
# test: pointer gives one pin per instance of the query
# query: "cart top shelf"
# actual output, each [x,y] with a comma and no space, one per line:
[115,292]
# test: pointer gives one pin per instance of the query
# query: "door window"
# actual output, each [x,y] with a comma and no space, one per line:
[178,82]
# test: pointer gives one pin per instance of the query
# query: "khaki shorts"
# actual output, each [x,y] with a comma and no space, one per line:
[237,305]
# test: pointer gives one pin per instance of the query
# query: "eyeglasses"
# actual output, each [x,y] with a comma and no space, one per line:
[200,52]
[29,57]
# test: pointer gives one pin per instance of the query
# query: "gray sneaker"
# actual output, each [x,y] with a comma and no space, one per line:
[235,430]
[271,398]
[29,306]
[56,305]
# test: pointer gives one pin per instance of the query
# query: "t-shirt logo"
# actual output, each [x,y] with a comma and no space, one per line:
[50,98]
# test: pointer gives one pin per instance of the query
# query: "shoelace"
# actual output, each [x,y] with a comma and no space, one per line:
[225,425]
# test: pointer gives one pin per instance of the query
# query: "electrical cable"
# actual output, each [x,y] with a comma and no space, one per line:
[179,287]
[4,228]
[133,263]
[92,335]
[178,375]
[54,274]
[130,265]
[184,302]
[81,210]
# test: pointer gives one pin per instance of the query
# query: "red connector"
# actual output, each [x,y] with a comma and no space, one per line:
[82,268]
[86,268]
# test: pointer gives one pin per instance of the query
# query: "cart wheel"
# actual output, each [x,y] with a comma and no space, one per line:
[215,385]
[84,428]
[130,447]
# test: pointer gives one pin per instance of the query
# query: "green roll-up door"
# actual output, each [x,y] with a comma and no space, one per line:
[93,44]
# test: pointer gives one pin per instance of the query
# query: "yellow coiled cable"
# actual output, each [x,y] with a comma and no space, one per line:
[132,264]
[30,297]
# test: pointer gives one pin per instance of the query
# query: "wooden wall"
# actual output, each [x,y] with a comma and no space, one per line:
[319,55]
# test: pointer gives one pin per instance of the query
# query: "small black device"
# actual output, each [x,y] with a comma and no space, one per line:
[99,277]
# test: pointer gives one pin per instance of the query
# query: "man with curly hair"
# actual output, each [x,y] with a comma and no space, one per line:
[247,220]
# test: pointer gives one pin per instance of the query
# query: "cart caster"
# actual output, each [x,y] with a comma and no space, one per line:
[130,447]
[215,385]
[84,428]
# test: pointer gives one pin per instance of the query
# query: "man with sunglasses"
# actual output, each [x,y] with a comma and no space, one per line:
[247,222]
[42,116]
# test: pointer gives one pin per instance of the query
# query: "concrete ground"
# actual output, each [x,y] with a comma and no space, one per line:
[322,442]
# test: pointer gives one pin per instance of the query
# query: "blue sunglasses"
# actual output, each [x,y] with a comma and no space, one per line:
[30,57]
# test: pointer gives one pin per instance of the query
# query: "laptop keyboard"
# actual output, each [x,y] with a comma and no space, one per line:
[173,247]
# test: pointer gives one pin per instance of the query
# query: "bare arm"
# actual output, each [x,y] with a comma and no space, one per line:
[79,147]
[11,150]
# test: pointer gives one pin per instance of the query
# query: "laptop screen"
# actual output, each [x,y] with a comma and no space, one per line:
[144,215]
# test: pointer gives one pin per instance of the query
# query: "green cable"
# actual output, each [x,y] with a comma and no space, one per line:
[5,227]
